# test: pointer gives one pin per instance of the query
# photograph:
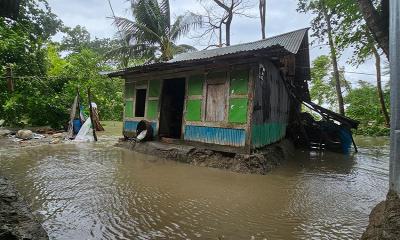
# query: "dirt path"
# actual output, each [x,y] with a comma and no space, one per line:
[257,163]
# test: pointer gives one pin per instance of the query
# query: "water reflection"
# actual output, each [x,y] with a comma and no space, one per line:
[96,191]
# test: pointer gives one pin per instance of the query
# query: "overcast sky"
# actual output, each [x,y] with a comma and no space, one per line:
[281,17]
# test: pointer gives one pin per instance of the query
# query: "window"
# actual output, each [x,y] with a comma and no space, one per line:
[140,102]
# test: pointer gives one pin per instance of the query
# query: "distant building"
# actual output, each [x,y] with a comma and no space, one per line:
[235,96]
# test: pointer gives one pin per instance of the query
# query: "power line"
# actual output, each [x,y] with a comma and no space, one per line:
[37,77]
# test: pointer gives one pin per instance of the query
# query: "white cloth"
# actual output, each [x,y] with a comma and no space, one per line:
[86,132]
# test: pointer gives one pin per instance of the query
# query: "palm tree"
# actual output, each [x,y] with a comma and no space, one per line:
[151,31]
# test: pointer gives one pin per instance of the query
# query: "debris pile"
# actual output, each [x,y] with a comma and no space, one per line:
[25,137]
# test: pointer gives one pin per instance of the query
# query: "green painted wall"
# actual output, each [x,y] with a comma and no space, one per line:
[128,109]
[238,110]
[239,82]
[193,110]
[195,85]
[152,109]
[154,88]
[267,133]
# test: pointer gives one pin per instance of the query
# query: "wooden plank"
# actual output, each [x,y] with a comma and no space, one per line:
[216,102]
[200,97]
[253,76]
[193,70]
[184,107]
[92,115]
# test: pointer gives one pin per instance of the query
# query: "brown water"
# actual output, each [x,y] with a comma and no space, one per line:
[96,191]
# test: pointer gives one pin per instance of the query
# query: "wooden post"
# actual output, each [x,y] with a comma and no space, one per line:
[91,115]
[79,104]
[354,143]
[9,77]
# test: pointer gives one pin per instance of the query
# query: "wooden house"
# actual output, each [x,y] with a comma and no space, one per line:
[236,97]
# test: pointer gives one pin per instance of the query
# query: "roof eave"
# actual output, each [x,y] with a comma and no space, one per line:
[271,52]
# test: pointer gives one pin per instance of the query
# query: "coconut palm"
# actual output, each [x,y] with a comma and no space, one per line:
[151,31]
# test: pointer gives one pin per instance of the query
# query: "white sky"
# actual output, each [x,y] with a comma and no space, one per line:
[281,17]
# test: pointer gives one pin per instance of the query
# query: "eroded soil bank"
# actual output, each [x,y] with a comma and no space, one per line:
[260,162]
[16,219]
[384,221]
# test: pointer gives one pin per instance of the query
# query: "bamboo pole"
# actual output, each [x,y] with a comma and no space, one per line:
[91,115]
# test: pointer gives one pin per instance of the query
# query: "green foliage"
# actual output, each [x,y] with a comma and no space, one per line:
[85,67]
[56,64]
[322,88]
[364,106]
[75,39]
[22,47]
[153,31]
[351,31]
[36,101]
[319,24]
[45,82]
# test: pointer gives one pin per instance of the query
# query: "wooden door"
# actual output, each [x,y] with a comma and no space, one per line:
[216,102]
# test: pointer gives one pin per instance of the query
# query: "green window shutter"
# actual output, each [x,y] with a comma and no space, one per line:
[152,109]
[238,110]
[128,109]
[195,85]
[193,110]
[239,82]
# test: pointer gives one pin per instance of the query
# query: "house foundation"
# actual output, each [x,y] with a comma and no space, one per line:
[261,161]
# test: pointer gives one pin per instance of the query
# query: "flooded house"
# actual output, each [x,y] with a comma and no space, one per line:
[234,99]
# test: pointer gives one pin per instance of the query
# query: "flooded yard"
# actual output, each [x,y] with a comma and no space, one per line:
[97,191]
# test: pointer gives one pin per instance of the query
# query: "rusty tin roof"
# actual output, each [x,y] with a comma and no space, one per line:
[288,42]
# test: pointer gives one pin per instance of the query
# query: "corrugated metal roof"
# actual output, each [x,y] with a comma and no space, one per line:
[290,41]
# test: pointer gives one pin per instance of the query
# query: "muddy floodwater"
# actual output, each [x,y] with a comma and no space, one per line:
[97,191]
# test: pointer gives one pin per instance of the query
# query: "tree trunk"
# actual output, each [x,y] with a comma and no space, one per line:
[336,74]
[229,11]
[228,29]
[220,35]
[262,8]
[378,23]
[10,80]
[379,86]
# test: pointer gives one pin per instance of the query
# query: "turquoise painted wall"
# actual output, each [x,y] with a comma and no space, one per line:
[267,133]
